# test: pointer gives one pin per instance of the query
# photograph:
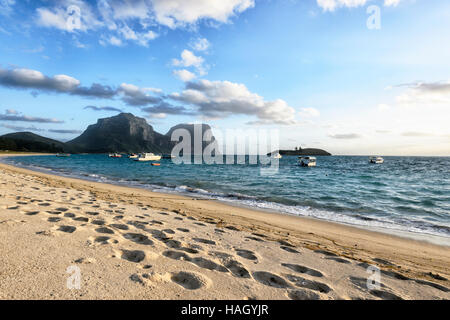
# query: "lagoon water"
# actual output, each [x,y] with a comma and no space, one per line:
[404,194]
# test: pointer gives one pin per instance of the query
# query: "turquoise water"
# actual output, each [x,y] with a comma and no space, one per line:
[405,193]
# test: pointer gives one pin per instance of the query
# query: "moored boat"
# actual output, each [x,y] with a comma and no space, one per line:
[115,155]
[307,161]
[148,157]
[63,155]
[376,160]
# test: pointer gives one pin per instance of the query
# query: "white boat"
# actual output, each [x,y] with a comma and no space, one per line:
[277,156]
[148,157]
[115,155]
[307,161]
[376,160]
[133,156]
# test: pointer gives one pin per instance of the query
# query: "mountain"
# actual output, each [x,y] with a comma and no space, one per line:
[303,152]
[121,133]
[191,128]
[27,141]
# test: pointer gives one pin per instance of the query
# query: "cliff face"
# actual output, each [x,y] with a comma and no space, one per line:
[121,133]
[127,133]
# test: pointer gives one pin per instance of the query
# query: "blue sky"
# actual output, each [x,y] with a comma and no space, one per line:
[312,69]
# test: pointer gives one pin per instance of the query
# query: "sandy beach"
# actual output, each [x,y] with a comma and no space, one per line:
[130,243]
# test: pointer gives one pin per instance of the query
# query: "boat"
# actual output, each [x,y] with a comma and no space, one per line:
[168,156]
[133,156]
[307,161]
[376,160]
[148,157]
[156,164]
[63,155]
[277,156]
[115,155]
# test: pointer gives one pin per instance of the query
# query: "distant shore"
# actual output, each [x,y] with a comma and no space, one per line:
[255,242]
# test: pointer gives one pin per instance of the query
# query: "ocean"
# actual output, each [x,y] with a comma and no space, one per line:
[405,194]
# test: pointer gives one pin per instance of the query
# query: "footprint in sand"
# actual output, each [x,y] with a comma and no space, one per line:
[237,269]
[54,219]
[340,260]
[32,213]
[189,280]
[200,224]
[138,238]
[205,241]
[54,212]
[44,204]
[82,219]
[303,294]
[385,295]
[67,229]
[208,264]
[119,226]
[133,255]
[183,229]
[309,284]
[270,279]
[98,222]
[69,215]
[102,240]
[432,284]
[247,254]
[255,239]
[176,255]
[104,230]
[302,269]
[326,253]
[289,249]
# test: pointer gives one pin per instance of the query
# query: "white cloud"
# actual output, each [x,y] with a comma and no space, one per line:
[344,136]
[68,15]
[188,59]
[175,13]
[309,112]
[331,5]
[135,96]
[428,93]
[391,3]
[131,19]
[200,44]
[184,75]
[219,99]
[115,41]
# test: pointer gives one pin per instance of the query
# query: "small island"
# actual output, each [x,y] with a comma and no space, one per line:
[302,152]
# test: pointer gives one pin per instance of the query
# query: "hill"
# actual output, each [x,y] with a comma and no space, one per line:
[30,142]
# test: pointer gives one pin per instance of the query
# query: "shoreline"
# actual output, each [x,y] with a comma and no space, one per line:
[403,234]
[339,251]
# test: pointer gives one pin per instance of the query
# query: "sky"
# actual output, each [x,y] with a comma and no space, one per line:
[357,77]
